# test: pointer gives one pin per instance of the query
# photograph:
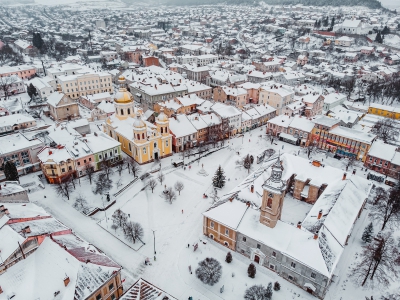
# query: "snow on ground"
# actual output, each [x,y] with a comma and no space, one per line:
[392,40]
[178,224]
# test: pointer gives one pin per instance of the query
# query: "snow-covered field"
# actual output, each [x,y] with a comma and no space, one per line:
[178,224]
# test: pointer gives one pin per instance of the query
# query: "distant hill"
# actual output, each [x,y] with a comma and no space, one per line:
[367,3]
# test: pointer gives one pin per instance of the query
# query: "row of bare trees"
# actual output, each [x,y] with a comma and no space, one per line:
[133,231]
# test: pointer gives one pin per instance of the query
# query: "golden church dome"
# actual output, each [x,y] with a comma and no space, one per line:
[138,123]
[122,96]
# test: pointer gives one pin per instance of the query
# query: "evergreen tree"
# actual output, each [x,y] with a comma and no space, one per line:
[316,23]
[251,271]
[31,90]
[37,40]
[277,286]
[10,171]
[332,22]
[228,258]
[268,293]
[378,38]
[219,178]
[368,233]
[385,30]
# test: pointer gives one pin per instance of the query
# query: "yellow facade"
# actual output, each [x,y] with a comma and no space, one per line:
[385,111]
[141,140]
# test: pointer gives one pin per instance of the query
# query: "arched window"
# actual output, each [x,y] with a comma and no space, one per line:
[138,136]
[130,147]
[269,203]
[142,135]
[166,129]
[129,111]
[122,111]
[155,145]
[116,111]
[162,130]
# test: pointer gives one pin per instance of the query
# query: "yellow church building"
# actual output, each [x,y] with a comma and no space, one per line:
[143,141]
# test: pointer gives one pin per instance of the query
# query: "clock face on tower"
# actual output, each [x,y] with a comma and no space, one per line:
[275,175]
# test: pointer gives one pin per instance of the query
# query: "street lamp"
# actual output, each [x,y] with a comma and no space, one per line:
[154,236]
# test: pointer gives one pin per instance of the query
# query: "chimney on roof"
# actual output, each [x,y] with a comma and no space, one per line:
[248,203]
[66,281]
[344,176]
[315,235]
[319,214]
[299,225]
[252,188]
[26,229]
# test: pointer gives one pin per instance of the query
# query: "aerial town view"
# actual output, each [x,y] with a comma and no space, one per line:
[195,150]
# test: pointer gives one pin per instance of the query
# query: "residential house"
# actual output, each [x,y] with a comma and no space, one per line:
[62,107]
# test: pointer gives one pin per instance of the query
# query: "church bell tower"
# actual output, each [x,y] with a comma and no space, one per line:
[273,194]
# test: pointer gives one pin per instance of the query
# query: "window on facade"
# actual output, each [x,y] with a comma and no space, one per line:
[98,297]
[293,265]
[79,163]
[269,202]
[226,231]
[122,112]
[100,157]
[212,224]
[166,143]
[258,246]
[290,277]
[111,287]
[273,254]
[63,170]
[144,150]
[90,159]
[244,239]
[313,275]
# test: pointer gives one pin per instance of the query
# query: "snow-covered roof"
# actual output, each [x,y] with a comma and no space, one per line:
[229,213]
[144,290]
[353,134]
[181,126]
[42,274]
[381,150]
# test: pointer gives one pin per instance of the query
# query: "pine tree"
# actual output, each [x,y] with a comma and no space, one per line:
[37,40]
[219,178]
[277,286]
[228,258]
[251,271]
[368,233]
[268,293]
[332,22]
[31,90]
[378,38]
[10,171]
[385,30]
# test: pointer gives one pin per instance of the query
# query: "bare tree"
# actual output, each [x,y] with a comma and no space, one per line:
[377,262]
[160,177]
[128,162]
[246,163]
[179,186]
[169,195]
[6,83]
[133,231]
[80,203]
[135,168]
[106,168]
[152,184]
[269,137]
[103,184]
[350,162]
[387,208]
[386,130]
[120,167]
[119,218]
[89,170]
[311,148]
[64,188]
